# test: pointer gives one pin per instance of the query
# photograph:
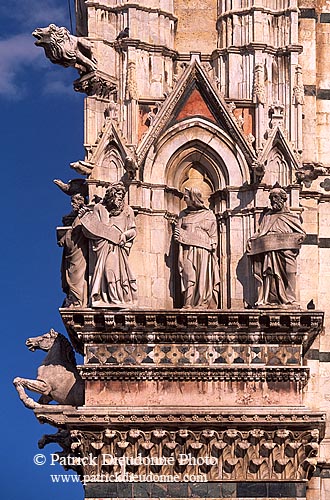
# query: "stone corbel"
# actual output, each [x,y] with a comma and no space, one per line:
[96,84]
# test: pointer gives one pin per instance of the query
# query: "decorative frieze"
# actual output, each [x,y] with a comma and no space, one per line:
[219,455]
[192,355]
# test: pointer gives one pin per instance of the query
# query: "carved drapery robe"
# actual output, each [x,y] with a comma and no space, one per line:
[74,265]
[113,282]
[273,250]
[198,264]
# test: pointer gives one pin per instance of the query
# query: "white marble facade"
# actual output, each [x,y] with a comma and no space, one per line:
[228,95]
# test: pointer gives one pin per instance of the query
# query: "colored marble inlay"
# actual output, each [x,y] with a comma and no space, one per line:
[192,354]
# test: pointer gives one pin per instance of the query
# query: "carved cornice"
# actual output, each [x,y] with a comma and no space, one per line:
[203,327]
[242,417]
[220,455]
[186,373]
[253,47]
[257,8]
[131,5]
[125,43]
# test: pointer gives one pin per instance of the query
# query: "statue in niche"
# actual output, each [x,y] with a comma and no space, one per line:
[274,250]
[196,233]
[111,228]
[74,259]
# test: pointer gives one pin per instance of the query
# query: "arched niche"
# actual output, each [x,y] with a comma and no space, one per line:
[195,176]
[196,140]
[110,166]
[277,168]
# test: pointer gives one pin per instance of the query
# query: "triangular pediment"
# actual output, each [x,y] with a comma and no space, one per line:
[195,96]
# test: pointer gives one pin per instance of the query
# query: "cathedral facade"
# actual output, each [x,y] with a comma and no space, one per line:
[209,378]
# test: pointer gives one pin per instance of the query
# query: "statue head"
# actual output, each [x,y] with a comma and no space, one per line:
[114,197]
[277,197]
[193,197]
[77,201]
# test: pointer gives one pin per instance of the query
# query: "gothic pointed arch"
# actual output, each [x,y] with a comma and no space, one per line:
[196,140]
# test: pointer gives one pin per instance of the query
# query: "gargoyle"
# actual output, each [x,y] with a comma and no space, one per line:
[309,172]
[72,187]
[65,49]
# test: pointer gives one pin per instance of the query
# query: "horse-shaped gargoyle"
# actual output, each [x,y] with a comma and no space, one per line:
[58,378]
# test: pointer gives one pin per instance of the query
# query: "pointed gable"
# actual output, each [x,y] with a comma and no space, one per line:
[278,158]
[195,96]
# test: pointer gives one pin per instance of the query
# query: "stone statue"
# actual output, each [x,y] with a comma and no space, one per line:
[273,251]
[65,49]
[75,255]
[196,233]
[58,378]
[111,227]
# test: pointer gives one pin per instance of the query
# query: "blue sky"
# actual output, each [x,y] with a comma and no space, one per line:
[41,134]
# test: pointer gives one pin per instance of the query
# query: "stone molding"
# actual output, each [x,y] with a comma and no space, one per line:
[194,74]
[206,374]
[131,5]
[242,418]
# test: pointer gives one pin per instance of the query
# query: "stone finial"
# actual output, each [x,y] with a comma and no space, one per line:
[276,110]
[65,49]
[298,89]
[131,85]
[258,91]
